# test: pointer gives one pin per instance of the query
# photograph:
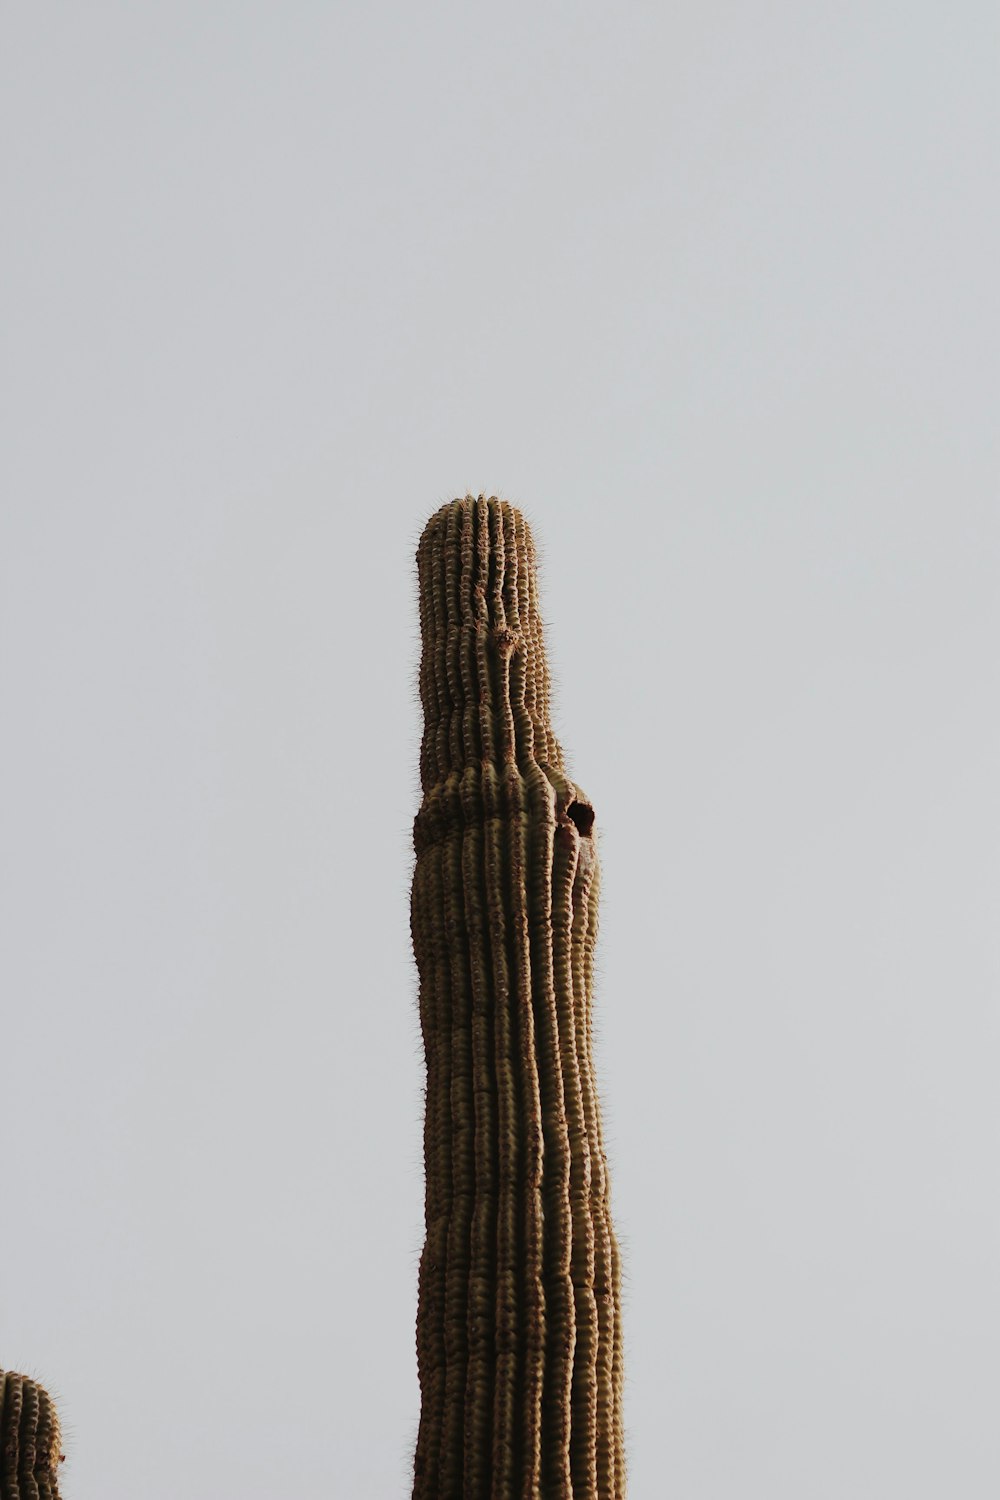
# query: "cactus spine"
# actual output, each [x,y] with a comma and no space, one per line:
[519,1349]
[30,1441]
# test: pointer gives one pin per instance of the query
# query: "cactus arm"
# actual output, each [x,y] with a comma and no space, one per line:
[30,1440]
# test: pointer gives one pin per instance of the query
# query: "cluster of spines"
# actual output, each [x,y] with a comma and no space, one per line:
[518,1328]
[29,1440]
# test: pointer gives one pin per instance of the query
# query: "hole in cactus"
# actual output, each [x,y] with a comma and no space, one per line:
[582,816]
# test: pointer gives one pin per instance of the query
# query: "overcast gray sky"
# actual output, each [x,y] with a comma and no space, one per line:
[710,292]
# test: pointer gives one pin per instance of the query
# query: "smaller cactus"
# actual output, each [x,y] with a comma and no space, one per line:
[30,1440]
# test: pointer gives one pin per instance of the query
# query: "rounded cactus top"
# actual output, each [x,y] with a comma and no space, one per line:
[484,680]
[30,1439]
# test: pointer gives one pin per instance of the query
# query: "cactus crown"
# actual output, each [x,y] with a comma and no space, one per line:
[30,1440]
[484,680]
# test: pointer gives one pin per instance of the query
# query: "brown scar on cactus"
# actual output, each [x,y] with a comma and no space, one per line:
[30,1440]
[519,1344]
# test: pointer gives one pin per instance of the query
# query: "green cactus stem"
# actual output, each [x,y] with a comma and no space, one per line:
[519,1348]
[30,1441]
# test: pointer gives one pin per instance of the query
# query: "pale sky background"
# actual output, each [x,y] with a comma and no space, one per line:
[710,292]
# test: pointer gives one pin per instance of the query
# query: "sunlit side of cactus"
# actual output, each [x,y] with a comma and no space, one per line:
[519,1345]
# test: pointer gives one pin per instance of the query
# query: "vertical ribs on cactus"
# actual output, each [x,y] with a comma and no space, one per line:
[30,1440]
[519,1346]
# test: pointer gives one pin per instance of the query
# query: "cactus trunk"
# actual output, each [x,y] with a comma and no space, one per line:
[30,1441]
[519,1349]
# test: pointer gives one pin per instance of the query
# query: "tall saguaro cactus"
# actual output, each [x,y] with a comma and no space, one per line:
[519,1348]
[30,1440]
